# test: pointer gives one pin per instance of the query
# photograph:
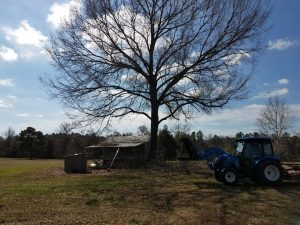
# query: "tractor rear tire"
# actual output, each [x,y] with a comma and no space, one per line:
[269,172]
[230,177]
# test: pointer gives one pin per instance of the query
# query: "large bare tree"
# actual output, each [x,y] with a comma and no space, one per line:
[276,118]
[158,58]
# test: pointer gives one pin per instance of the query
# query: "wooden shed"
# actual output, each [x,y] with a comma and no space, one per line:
[76,163]
[133,151]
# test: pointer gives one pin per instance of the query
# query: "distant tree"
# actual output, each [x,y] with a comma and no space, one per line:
[216,140]
[286,135]
[193,137]
[65,129]
[276,118]
[50,147]
[167,144]
[127,134]
[201,144]
[115,134]
[10,141]
[121,57]
[143,130]
[31,140]
[200,136]
[256,134]
[181,131]
[189,146]
[239,135]
[198,139]
[2,148]
[181,128]
[9,134]
[92,137]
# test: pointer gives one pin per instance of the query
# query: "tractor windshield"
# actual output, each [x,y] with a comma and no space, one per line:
[239,145]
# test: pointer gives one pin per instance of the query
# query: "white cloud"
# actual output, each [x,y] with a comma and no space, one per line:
[60,12]
[8,54]
[23,115]
[283,81]
[7,101]
[225,122]
[279,92]
[13,97]
[243,114]
[235,59]
[281,44]
[5,104]
[7,82]
[25,34]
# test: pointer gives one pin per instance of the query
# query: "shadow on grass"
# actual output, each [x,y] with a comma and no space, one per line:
[290,188]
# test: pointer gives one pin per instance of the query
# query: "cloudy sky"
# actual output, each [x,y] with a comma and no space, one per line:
[24,29]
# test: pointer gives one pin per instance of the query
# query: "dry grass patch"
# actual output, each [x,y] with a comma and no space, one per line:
[176,194]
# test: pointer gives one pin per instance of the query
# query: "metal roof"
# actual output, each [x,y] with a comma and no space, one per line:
[122,142]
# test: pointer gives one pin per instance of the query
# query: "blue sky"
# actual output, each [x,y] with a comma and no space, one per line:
[24,29]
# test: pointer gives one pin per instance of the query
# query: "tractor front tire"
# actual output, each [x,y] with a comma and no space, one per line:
[269,173]
[230,177]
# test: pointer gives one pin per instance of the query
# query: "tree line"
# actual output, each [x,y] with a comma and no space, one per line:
[177,143]
[32,143]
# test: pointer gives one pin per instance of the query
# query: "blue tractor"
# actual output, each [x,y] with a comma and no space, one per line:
[254,159]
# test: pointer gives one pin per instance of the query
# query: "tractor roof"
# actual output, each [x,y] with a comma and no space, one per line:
[254,139]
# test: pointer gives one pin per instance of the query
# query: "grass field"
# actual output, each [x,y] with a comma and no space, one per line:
[39,192]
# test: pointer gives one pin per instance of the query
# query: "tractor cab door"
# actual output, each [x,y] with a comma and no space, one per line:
[251,153]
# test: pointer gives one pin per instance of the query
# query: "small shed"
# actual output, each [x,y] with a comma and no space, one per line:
[76,163]
[133,151]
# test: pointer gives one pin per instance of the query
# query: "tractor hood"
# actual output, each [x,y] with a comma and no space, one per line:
[225,160]
[210,153]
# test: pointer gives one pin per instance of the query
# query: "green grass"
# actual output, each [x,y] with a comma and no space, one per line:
[12,167]
[39,192]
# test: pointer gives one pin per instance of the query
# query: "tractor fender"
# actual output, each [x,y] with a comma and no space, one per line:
[260,161]
[230,165]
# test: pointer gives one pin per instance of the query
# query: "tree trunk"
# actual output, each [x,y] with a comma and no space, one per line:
[153,151]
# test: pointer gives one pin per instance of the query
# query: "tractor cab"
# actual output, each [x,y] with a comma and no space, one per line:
[252,151]
[254,159]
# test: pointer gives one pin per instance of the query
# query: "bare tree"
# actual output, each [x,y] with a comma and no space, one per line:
[9,136]
[276,118]
[65,129]
[158,58]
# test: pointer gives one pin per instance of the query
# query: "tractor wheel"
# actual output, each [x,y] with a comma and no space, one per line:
[269,172]
[218,176]
[230,177]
